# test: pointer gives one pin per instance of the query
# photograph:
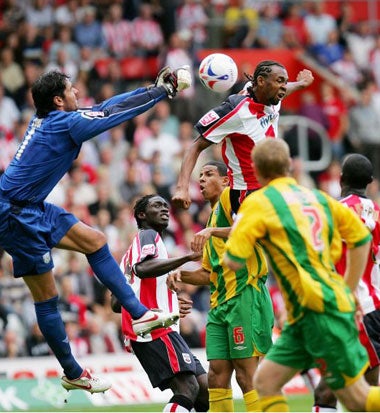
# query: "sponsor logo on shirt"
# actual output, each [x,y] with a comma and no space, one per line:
[265,121]
[93,114]
[208,118]
[148,249]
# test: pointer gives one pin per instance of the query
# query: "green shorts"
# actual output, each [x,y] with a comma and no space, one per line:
[242,326]
[327,341]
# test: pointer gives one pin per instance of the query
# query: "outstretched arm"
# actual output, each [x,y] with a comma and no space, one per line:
[196,277]
[181,197]
[155,267]
[201,237]
[304,79]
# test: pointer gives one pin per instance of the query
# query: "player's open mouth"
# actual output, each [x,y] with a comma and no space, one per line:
[165,216]
[281,95]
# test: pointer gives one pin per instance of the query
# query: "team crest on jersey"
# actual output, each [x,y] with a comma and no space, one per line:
[93,114]
[208,118]
[186,358]
[148,249]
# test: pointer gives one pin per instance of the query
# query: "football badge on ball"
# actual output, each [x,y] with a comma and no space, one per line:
[218,72]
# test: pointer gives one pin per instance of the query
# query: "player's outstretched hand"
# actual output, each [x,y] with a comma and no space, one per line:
[175,81]
[306,77]
[200,239]
[181,199]
[173,280]
[163,73]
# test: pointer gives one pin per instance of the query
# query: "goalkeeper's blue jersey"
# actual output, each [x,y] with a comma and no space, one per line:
[51,144]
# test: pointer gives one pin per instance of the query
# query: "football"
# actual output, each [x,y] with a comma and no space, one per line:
[218,72]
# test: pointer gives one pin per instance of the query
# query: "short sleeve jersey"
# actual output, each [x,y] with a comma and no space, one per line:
[368,291]
[238,124]
[301,231]
[225,283]
[152,291]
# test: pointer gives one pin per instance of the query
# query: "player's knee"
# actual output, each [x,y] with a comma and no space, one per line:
[323,396]
[98,240]
[186,385]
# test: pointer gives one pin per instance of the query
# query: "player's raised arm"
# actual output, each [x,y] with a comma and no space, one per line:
[181,197]
[304,79]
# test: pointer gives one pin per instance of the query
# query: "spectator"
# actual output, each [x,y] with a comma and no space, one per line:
[318,23]
[163,143]
[148,37]
[169,122]
[72,306]
[300,175]
[67,13]
[118,32]
[9,113]
[270,31]
[329,181]
[295,32]
[36,345]
[88,33]
[104,201]
[374,59]
[360,42]
[347,69]
[39,13]
[32,45]
[178,55]
[336,113]
[329,52]
[63,41]
[12,75]
[364,128]
[79,346]
[64,64]
[192,17]
[240,25]
[131,187]
[101,336]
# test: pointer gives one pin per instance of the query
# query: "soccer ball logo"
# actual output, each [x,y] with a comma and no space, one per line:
[218,72]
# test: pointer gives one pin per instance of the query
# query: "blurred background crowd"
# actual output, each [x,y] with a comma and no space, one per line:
[108,47]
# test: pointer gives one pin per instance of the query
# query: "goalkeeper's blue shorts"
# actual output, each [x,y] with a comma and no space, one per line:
[28,233]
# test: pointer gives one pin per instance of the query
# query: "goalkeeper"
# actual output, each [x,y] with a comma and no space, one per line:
[31,227]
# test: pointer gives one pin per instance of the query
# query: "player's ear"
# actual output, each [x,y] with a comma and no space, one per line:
[58,101]
[141,215]
[260,80]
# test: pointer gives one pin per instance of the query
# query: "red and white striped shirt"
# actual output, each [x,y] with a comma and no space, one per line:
[368,291]
[119,37]
[239,123]
[153,291]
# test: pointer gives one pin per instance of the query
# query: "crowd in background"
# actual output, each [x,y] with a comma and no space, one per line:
[144,155]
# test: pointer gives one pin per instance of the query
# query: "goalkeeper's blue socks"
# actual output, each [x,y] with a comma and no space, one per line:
[53,329]
[108,272]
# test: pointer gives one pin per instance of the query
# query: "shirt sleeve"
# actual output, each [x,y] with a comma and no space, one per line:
[246,230]
[351,227]
[86,124]
[217,123]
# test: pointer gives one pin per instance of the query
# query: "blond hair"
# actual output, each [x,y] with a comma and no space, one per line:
[271,158]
